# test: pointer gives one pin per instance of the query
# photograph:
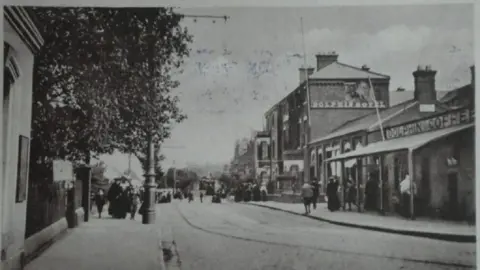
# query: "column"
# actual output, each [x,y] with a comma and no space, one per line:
[315,166]
[411,173]
[84,173]
[343,174]
[380,172]
[357,175]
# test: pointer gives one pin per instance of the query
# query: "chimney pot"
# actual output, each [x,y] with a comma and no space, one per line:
[304,72]
[365,67]
[425,92]
[326,58]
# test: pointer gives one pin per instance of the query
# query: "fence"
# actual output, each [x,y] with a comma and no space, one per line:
[46,204]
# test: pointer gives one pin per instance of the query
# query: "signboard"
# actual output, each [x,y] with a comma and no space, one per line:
[355,96]
[447,120]
[62,171]
[346,105]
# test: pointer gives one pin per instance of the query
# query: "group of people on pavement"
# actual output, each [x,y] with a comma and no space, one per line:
[123,199]
[250,192]
[310,194]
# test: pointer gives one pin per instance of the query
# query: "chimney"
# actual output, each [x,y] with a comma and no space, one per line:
[325,59]
[365,67]
[472,72]
[400,89]
[425,92]
[304,72]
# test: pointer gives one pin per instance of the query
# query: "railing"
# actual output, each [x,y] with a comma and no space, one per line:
[46,205]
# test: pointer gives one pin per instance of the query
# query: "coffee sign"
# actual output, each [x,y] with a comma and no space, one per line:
[343,104]
[431,124]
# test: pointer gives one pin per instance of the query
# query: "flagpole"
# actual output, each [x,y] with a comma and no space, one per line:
[306,171]
[307,75]
[372,93]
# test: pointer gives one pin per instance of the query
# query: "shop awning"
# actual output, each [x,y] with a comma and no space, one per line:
[405,143]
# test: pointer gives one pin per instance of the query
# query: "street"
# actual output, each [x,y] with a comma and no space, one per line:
[238,236]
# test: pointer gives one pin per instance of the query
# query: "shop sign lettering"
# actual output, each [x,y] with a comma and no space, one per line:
[341,104]
[431,124]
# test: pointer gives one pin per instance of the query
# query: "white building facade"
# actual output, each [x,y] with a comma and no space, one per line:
[22,41]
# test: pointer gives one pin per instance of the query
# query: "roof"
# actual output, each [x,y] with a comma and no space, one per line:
[370,121]
[337,70]
[463,91]
[365,122]
[405,143]
[397,97]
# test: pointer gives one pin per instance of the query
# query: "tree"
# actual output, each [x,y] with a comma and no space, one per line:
[102,82]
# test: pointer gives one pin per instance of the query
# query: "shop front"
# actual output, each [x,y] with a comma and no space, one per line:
[435,154]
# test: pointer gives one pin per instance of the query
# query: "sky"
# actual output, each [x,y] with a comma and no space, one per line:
[238,69]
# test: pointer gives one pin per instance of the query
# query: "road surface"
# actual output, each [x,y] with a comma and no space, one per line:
[232,236]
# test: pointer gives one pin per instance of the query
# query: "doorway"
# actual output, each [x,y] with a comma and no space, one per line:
[452,188]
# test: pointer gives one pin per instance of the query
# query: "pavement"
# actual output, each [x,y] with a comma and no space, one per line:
[234,236]
[105,244]
[435,229]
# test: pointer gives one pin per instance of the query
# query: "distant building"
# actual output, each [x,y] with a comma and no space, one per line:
[242,165]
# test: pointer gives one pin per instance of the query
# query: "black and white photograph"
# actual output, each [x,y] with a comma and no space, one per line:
[238,135]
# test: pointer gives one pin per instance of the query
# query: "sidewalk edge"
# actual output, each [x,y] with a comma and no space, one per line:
[432,235]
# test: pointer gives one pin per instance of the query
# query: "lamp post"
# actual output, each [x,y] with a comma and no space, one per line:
[148,216]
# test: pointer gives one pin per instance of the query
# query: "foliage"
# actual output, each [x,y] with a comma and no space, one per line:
[103,81]
[143,158]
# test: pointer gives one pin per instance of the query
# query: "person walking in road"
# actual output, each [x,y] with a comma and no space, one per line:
[201,197]
[100,201]
[307,194]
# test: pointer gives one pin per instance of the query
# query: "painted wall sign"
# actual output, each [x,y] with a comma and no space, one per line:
[357,95]
[346,105]
[430,124]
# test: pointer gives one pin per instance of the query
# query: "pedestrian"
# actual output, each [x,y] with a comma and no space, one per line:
[351,194]
[134,203]
[371,192]
[190,197]
[201,197]
[307,194]
[332,189]
[405,191]
[100,201]
[316,191]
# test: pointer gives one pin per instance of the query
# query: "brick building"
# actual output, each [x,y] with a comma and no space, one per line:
[428,139]
[338,93]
